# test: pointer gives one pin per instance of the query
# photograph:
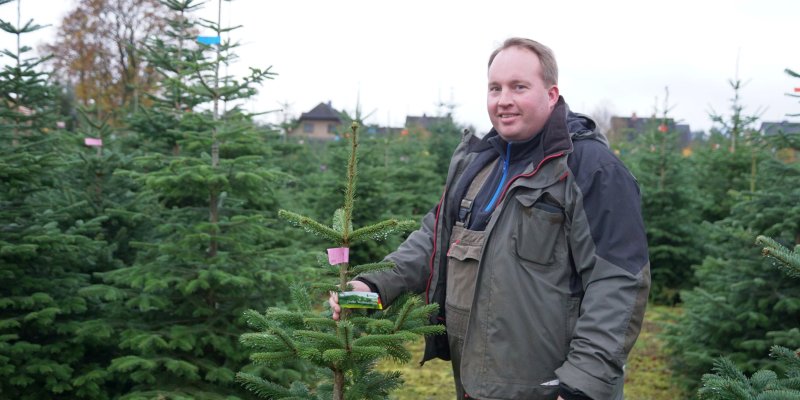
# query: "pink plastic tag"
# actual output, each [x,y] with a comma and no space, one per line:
[93,142]
[338,255]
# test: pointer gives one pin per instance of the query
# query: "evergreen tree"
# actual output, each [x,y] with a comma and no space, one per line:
[205,189]
[728,381]
[397,178]
[52,343]
[669,195]
[741,307]
[346,350]
[727,164]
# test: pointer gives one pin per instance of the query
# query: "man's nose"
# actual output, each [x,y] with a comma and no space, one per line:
[504,98]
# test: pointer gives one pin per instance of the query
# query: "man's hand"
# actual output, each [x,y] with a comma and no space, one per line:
[358,286]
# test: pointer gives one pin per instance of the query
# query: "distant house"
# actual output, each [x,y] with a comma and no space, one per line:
[321,123]
[782,128]
[627,129]
[424,123]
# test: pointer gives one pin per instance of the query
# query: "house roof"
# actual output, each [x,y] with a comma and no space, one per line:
[425,121]
[785,127]
[634,126]
[322,112]
[639,124]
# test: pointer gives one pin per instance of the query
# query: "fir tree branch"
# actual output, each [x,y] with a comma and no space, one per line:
[334,356]
[261,341]
[368,352]
[381,230]
[272,357]
[256,320]
[789,260]
[326,339]
[408,305]
[320,322]
[363,268]
[284,317]
[300,296]
[262,387]
[311,226]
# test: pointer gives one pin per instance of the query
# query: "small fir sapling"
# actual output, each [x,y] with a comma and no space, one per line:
[345,351]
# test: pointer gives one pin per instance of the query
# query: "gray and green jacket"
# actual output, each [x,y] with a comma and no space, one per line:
[563,277]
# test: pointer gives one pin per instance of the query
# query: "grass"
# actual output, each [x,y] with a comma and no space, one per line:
[648,375]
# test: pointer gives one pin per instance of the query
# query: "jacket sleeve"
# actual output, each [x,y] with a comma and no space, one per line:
[609,247]
[412,260]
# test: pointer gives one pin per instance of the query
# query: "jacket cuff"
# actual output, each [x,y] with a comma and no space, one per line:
[371,285]
[569,394]
[582,383]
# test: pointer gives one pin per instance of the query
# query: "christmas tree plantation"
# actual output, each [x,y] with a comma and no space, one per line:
[347,350]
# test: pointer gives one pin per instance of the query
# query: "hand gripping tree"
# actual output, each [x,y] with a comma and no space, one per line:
[347,350]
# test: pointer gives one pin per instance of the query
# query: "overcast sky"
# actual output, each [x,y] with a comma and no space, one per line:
[405,57]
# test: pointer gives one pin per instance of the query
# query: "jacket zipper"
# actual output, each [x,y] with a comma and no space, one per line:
[502,180]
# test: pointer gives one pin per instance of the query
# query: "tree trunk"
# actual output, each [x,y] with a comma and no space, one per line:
[338,385]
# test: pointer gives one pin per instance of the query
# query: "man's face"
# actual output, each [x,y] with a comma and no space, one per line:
[518,101]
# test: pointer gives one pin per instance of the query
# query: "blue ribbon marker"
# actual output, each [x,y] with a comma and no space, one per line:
[209,40]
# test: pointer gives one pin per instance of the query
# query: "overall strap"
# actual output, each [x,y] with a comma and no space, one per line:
[465,210]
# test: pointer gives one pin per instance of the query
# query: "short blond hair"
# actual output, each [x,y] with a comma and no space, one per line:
[546,57]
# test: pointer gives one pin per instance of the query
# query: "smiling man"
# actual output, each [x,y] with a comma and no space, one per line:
[536,253]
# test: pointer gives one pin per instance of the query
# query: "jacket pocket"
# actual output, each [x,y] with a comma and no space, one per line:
[462,266]
[538,228]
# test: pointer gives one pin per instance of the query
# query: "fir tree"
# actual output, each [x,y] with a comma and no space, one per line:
[669,195]
[205,187]
[727,164]
[397,178]
[741,307]
[346,350]
[729,382]
[52,343]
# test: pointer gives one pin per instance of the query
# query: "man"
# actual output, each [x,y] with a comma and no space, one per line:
[536,253]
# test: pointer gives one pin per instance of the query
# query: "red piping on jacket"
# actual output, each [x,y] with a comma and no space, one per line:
[535,170]
[502,194]
[433,252]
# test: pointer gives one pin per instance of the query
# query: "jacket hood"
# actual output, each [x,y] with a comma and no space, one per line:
[581,126]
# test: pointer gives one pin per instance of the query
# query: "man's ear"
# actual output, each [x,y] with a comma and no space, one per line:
[552,96]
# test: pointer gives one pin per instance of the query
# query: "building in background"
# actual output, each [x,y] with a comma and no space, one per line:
[627,129]
[423,125]
[782,128]
[323,122]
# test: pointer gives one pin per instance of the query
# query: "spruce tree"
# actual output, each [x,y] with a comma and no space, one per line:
[345,350]
[53,344]
[205,188]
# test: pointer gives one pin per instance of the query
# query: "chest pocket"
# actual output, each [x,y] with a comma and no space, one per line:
[538,228]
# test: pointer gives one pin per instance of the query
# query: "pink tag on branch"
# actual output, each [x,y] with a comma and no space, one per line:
[797,90]
[92,142]
[338,255]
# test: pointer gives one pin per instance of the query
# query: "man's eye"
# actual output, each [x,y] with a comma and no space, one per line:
[520,87]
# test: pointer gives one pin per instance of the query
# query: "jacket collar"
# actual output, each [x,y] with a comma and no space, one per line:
[554,137]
